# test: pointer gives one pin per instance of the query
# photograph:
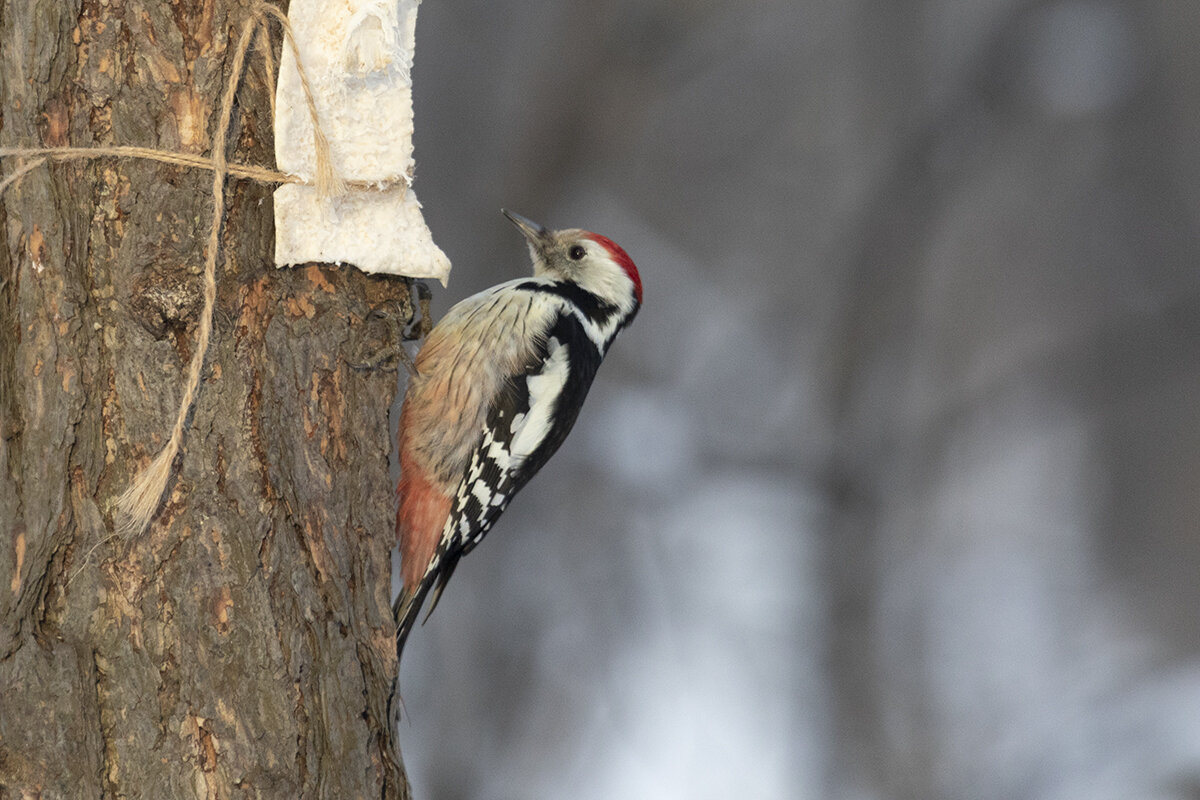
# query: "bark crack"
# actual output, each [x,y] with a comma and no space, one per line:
[380,719]
[109,766]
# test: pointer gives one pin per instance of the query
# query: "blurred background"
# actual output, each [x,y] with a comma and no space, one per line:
[893,488]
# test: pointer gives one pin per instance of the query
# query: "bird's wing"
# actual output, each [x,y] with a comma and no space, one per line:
[520,419]
[523,417]
[529,419]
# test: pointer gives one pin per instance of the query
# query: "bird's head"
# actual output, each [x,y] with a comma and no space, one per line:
[593,262]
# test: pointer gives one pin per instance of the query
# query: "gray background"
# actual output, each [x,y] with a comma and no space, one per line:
[891,490]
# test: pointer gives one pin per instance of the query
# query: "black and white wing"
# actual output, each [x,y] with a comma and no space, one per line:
[526,424]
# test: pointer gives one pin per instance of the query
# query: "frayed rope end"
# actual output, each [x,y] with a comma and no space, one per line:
[136,507]
[329,183]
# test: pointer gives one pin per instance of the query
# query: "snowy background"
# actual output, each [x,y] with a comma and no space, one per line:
[893,488]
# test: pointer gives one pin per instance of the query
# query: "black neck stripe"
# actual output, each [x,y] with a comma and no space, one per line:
[592,307]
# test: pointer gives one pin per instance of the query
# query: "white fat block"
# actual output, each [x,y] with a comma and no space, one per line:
[389,233]
[357,55]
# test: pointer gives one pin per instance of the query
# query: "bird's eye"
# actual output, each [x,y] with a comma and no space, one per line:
[577,252]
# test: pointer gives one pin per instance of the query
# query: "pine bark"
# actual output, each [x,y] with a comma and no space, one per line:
[241,647]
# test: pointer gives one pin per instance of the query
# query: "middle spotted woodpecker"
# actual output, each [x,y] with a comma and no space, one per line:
[499,382]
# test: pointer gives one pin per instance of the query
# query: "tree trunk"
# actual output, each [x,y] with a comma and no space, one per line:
[242,646]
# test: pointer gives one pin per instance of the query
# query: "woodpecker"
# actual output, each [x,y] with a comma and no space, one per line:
[497,387]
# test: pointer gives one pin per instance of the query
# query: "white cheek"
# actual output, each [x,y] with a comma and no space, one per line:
[608,281]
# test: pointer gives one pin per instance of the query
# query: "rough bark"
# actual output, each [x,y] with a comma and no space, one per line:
[242,646]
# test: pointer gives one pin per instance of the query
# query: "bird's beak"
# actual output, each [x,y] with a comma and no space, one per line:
[533,232]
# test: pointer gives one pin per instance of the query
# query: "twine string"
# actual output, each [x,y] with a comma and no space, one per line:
[262,41]
[42,154]
[20,171]
[327,181]
[137,505]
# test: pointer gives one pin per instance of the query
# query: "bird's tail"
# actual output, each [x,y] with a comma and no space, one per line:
[405,611]
[408,604]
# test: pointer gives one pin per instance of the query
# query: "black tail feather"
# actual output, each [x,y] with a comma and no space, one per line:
[408,605]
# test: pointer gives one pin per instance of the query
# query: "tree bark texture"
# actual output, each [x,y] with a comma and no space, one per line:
[242,646]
